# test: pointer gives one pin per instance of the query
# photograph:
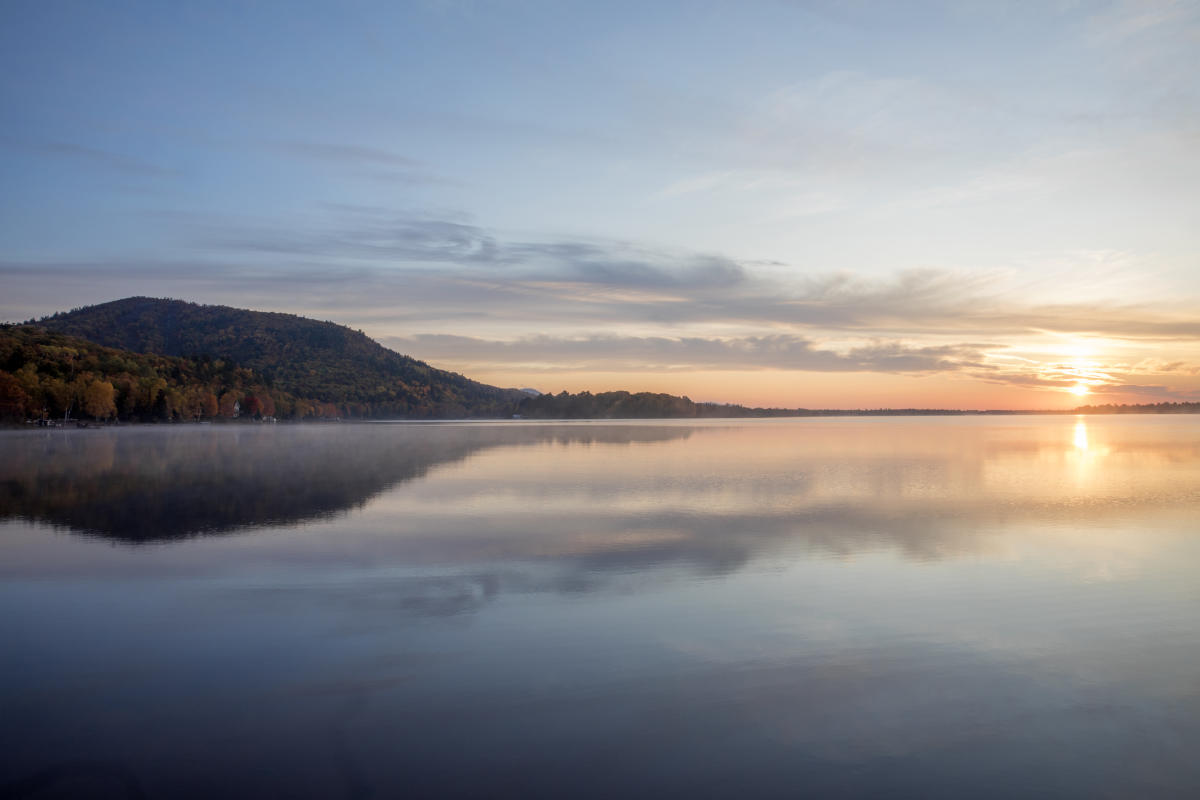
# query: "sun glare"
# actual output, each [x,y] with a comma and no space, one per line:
[1079,389]
[1081,440]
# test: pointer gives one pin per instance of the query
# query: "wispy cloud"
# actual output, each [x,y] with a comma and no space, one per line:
[656,353]
[422,266]
[118,162]
[399,241]
[471,298]
[1103,383]
[1127,19]
[345,153]
[370,162]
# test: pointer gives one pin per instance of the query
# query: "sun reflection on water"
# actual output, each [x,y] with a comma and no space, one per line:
[1087,452]
[1081,436]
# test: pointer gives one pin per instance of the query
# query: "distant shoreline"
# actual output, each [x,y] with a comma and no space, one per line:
[1193,408]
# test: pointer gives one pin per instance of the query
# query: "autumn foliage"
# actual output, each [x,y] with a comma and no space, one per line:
[294,367]
[54,376]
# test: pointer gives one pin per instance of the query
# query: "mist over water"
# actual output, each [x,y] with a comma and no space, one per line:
[916,607]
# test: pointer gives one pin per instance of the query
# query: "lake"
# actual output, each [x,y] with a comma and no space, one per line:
[838,607]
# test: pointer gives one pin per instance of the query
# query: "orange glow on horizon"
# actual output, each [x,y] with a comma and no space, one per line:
[786,389]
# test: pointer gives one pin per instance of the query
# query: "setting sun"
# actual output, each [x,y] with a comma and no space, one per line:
[1080,389]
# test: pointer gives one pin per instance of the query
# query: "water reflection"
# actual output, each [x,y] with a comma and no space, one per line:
[1081,438]
[903,608]
[588,503]
[148,484]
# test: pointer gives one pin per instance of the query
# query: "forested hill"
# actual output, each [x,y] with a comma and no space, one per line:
[304,358]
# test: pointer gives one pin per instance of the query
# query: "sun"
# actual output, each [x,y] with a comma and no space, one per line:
[1079,389]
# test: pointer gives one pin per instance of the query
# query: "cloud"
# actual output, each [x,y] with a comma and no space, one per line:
[597,282]
[413,266]
[395,241]
[634,353]
[373,162]
[622,264]
[1110,385]
[405,241]
[118,162]
[1131,19]
[345,153]
[847,128]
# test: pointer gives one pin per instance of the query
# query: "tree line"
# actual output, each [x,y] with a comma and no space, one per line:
[632,405]
[46,375]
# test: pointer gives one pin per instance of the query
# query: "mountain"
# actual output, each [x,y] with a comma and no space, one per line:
[317,361]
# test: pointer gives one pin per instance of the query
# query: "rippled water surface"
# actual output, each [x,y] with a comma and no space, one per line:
[906,607]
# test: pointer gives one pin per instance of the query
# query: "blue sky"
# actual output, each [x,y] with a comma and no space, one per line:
[796,203]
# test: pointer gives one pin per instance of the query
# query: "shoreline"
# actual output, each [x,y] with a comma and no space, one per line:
[95,424]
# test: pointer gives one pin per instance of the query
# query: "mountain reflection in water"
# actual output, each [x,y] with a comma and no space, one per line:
[150,484]
[773,608]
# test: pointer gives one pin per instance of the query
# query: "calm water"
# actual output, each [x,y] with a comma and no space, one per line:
[955,607]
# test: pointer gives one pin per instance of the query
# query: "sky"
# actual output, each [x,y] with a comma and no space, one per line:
[827,204]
